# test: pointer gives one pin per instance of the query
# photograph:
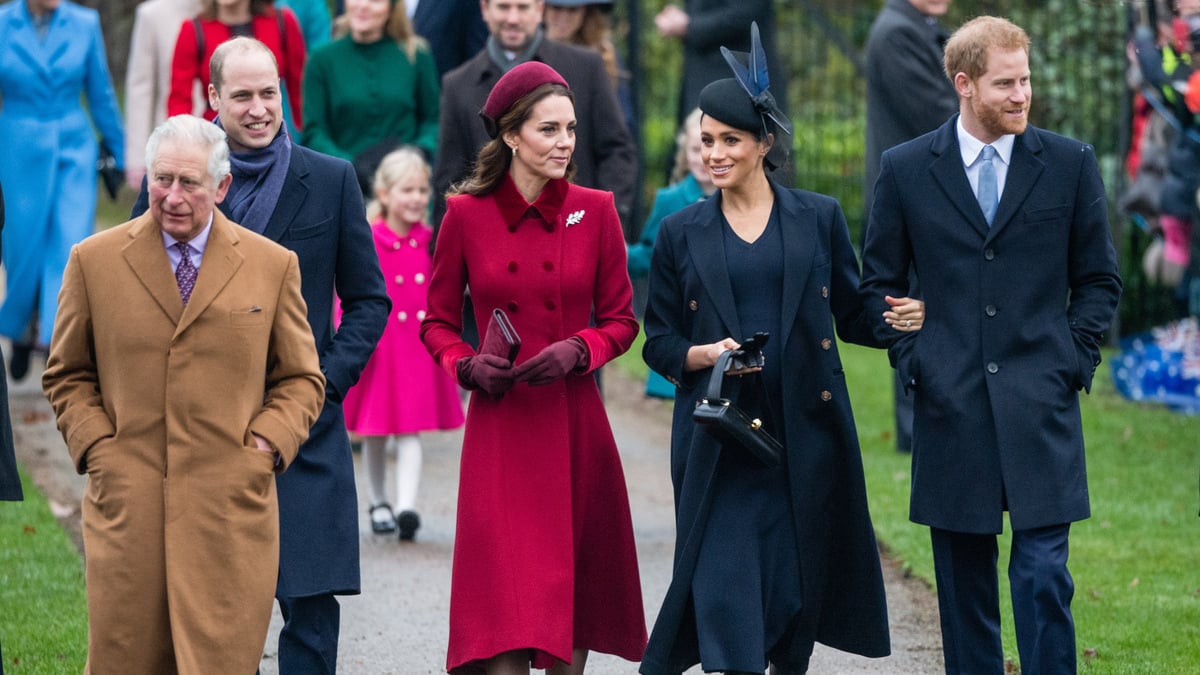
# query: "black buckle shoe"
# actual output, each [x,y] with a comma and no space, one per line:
[382,519]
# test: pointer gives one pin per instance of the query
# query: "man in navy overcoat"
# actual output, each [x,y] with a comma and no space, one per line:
[312,206]
[1016,306]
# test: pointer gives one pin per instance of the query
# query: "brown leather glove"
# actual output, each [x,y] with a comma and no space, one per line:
[488,372]
[554,362]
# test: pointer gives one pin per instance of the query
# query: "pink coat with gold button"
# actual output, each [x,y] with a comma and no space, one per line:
[402,391]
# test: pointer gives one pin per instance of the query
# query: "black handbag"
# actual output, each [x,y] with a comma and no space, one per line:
[729,423]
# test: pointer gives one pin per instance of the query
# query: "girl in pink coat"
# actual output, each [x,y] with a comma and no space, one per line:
[402,391]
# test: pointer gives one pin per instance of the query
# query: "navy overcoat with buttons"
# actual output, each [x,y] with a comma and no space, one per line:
[1014,320]
[320,217]
[691,302]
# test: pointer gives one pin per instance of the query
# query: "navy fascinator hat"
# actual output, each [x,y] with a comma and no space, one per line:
[745,102]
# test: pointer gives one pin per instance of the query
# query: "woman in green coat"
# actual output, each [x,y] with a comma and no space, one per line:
[371,90]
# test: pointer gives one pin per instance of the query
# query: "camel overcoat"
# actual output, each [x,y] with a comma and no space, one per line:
[157,403]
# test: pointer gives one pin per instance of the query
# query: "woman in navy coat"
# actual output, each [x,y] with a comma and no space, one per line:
[767,559]
[51,52]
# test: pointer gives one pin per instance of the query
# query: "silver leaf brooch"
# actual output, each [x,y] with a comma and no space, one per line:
[575,217]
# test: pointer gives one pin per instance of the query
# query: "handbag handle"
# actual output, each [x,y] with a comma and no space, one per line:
[718,375]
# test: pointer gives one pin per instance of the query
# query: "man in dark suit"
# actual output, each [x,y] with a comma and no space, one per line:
[311,204]
[907,95]
[1007,228]
[605,155]
[704,26]
[454,30]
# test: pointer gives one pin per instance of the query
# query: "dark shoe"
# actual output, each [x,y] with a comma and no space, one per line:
[18,365]
[382,520]
[409,522]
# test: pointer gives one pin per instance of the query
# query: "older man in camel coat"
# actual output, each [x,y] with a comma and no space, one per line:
[180,395]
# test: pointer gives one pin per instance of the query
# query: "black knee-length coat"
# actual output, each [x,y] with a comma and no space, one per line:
[691,302]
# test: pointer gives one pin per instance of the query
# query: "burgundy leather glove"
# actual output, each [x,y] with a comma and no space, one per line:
[493,374]
[553,362]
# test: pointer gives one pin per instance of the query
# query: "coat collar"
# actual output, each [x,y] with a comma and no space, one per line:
[548,205]
[292,195]
[41,56]
[705,236]
[1024,170]
[147,257]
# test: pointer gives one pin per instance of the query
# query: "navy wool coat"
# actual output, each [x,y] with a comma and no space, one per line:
[691,302]
[1014,320]
[320,216]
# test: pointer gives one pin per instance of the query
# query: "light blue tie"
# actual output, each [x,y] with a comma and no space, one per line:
[988,199]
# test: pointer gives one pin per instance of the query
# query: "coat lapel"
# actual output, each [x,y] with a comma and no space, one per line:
[292,196]
[949,173]
[705,237]
[147,258]
[799,225]
[1025,168]
[58,39]
[221,262]
[25,42]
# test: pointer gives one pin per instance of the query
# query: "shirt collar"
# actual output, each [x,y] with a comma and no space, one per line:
[197,243]
[970,147]
[514,208]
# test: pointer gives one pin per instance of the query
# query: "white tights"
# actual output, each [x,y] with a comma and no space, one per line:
[408,468]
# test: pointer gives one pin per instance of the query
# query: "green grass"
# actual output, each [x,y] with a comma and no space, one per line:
[1136,562]
[43,620]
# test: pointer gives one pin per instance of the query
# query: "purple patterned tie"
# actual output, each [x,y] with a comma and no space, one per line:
[185,274]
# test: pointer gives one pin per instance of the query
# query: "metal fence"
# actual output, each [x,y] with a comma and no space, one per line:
[1078,65]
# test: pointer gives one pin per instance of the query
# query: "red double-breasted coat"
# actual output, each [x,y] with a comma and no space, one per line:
[544,555]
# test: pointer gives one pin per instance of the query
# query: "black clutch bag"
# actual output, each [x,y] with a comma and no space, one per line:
[110,174]
[729,423]
[501,338]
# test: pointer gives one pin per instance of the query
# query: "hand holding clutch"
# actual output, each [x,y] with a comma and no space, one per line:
[493,374]
[554,362]
[501,338]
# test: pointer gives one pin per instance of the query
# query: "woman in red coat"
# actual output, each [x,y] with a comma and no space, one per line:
[545,568]
[222,20]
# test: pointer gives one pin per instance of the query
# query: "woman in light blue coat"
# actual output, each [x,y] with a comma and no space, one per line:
[51,52]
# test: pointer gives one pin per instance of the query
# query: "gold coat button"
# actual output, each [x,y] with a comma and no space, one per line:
[826,396]
[826,344]
[824,291]
[693,305]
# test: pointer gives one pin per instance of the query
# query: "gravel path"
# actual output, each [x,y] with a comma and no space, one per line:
[399,623]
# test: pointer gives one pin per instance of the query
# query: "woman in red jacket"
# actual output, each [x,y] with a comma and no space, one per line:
[221,20]
[545,568]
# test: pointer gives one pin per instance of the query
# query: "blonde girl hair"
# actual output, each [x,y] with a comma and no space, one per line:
[396,166]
